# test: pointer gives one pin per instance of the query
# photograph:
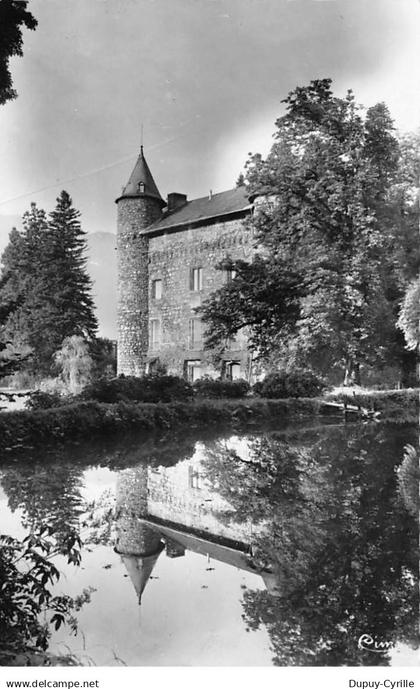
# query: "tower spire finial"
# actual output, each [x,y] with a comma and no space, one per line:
[141,138]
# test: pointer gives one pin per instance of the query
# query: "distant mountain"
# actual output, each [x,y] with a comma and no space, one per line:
[102,267]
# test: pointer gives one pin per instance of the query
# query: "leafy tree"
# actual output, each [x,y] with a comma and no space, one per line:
[13,17]
[11,359]
[75,362]
[263,298]
[409,317]
[316,293]
[240,182]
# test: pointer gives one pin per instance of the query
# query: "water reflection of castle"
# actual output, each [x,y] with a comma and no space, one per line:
[173,509]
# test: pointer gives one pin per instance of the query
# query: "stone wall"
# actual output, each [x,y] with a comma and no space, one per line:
[133,537]
[134,214]
[171,258]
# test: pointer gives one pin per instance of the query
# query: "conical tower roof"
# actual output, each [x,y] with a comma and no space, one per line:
[139,569]
[141,182]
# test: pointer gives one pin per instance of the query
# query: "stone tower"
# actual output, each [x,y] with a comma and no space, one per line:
[138,544]
[139,205]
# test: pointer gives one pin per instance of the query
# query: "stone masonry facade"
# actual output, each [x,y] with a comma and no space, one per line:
[172,259]
[133,260]
[167,258]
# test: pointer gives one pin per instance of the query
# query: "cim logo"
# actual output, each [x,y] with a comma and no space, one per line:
[367,642]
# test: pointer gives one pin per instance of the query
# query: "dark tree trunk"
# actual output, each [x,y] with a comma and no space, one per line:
[409,362]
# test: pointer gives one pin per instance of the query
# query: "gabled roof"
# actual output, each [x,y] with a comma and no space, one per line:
[228,554]
[204,209]
[141,175]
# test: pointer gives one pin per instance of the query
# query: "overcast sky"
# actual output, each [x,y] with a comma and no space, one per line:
[206,78]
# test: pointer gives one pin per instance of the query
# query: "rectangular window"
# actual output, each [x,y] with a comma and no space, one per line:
[195,335]
[194,478]
[156,289]
[196,279]
[192,370]
[155,333]
[233,370]
[230,274]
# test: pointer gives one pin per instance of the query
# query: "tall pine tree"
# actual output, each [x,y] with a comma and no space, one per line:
[68,282]
[45,289]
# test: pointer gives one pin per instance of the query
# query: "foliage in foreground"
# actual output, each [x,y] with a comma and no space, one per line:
[28,607]
[13,17]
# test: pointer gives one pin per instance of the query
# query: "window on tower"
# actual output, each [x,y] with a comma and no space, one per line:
[156,289]
[155,333]
[141,187]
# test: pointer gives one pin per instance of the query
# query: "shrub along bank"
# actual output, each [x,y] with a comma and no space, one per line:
[79,420]
[87,419]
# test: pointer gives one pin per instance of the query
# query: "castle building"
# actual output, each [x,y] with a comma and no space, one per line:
[167,257]
[175,509]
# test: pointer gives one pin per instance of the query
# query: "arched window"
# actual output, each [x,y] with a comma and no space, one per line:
[141,187]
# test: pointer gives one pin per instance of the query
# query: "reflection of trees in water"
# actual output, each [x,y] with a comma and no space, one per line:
[47,489]
[408,480]
[46,486]
[49,496]
[339,539]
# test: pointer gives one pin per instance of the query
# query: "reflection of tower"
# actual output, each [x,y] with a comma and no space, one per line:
[173,507]
[138,544]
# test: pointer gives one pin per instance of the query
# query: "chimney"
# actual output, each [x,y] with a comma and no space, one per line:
[176,201]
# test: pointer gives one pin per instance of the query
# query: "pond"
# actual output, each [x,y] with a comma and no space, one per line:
[293,547]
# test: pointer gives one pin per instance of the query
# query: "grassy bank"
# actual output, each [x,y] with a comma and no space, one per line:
[89,419]
[392,405]
[84,420]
